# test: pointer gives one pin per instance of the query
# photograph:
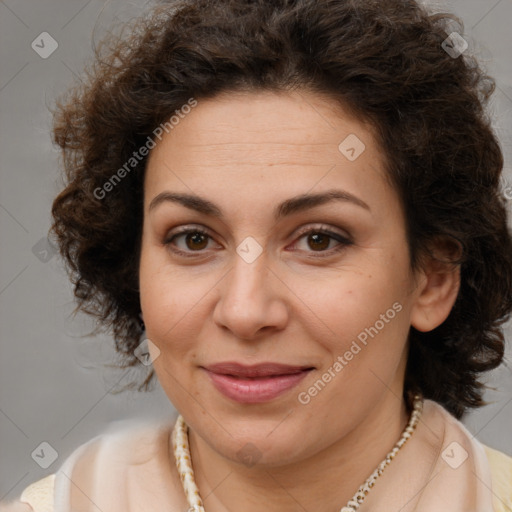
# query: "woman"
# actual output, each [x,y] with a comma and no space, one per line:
[296,205]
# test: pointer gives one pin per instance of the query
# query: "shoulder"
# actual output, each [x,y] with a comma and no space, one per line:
[131,456]
[37,497]
[491,468]
[501,470]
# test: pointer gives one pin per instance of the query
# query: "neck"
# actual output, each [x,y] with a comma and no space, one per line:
[226,485]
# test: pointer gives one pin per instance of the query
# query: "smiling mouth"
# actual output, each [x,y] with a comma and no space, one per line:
[239,377]
[257,383]
[234,369]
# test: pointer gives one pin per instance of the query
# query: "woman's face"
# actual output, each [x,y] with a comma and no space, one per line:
[300,260]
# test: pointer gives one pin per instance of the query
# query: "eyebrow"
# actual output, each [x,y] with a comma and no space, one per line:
[290,206]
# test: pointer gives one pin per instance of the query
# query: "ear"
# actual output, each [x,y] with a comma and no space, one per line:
[438,284]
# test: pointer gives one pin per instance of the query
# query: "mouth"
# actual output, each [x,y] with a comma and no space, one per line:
[256,383]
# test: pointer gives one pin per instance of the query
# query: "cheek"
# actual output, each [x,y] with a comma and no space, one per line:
[159,296]
[170,312]
[173,303]
[356,298]
[169,319]
[371,331]
[367,312]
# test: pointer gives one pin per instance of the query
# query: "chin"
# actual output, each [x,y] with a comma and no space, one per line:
[260,446]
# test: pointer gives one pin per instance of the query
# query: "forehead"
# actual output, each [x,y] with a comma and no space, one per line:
[267,117]
[266,142]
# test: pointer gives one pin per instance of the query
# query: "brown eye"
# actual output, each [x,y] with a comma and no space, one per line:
[196,241]
[319,241]
[188,241]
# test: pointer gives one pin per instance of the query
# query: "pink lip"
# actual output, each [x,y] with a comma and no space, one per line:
[257,383]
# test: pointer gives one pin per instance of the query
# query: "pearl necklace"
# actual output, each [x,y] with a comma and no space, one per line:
[184,462]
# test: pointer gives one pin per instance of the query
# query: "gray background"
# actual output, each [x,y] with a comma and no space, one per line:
[53,386]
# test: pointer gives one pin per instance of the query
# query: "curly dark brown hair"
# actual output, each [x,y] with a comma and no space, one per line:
[385,60]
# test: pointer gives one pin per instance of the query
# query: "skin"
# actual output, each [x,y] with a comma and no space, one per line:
[246,153]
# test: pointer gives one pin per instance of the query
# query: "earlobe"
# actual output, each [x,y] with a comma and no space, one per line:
[436,294]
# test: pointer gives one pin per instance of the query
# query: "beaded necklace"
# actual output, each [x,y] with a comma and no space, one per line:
[184,462]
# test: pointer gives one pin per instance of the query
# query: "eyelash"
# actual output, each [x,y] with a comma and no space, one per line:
[323,230]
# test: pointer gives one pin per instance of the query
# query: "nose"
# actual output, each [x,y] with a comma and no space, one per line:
[252,300]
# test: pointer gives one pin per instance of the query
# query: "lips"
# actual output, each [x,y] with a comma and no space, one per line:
[256,383]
